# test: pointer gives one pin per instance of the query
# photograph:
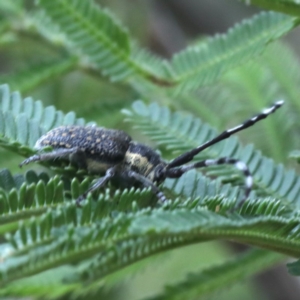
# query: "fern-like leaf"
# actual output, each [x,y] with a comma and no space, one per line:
[103,41]
[98,36]
[205,63]
[129,238]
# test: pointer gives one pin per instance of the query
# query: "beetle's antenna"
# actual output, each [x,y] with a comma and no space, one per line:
[188,156]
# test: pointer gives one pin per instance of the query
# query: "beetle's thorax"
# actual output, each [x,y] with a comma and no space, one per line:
[143,160]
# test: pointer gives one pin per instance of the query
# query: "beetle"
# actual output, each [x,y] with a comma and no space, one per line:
[113,154]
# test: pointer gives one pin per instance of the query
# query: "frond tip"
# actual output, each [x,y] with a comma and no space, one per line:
[206,62]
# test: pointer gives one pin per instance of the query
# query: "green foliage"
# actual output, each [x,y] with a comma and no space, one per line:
[66,234]
[49,246]
[286,6]
[206,62]
[24,121]
[96,34]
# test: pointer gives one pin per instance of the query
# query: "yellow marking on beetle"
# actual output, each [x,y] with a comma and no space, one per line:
[73,135]
[89,138]
[61,143]
[68,145]
[138,161]
[64,134]
[98,140]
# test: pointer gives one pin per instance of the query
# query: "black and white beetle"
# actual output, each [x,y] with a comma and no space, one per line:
[114,154]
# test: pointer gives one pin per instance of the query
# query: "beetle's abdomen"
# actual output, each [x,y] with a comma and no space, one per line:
[98,143]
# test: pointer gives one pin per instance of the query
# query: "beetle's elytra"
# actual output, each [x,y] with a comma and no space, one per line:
[93,143]
[113,154]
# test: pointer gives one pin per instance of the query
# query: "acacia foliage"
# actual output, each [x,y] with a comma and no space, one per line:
[46,236]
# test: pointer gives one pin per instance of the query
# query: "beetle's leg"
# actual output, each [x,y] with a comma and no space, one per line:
[146,183]
[58,153]
[110,173]
[241,166]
